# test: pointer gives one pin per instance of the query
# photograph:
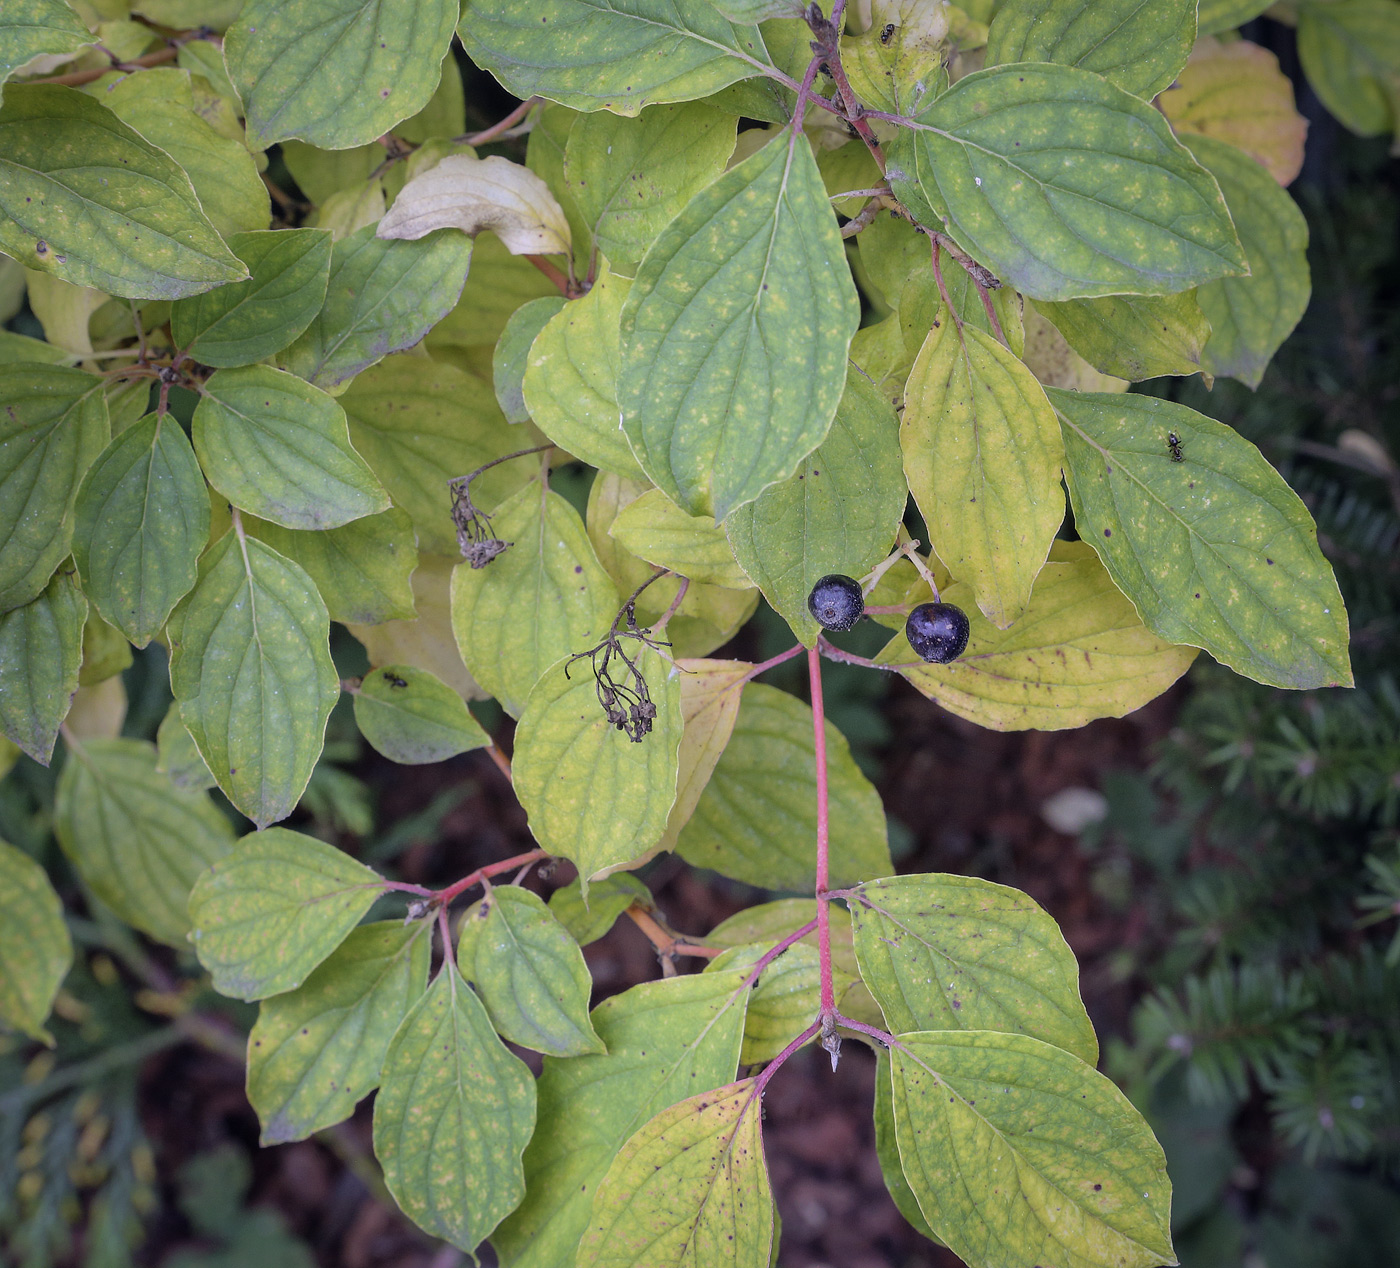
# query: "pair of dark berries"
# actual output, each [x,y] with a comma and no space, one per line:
[936,631]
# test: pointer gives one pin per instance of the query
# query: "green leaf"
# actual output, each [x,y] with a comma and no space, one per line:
[1135,337]
[161,107]
[591,793]
[666,1040]
[655,529]
[425,642]
[529,972]
[610,56]
[84,197]
[839,513]
[608,898]
[317,1050]
[382,296]
[1018,1152]
[41,649]
[16,348]
[412,717]
[454,1113]
[248,321]
[1350,51]
[1250,317]
[631,177]
[31,27]
[277,906]
[887,1149]
[690,1188]
[362,569]
[1064,186]
[570,383]
[35,949]
[1215,550]
[944,952]
[1215,16]
[1078,653]
[141,521]
[250,665]
[52,427]
[1140,47]
[337,74]
[280,448]
[177,756]
[513,352]
[983,456]
[499,283]
[785,999]
[419,424]
[320,173]
[138,841]
[106,652]
[735,333]
[544,598]
[756,821]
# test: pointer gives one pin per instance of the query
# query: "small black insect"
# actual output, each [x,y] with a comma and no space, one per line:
[394,680]
[1174,446]
[886,33]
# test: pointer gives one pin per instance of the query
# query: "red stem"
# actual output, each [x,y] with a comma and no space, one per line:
[773,662]
[777,949]
[444,896]
[776,1064]
[814,674]
[552,272]
[882,1036]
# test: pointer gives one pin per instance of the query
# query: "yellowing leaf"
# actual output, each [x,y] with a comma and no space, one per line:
[959,953]
[34,28]
[1077,653]
[983,460]
[665,1040]
[545,597]
[315,1051]
[1236,93]
[472,194]
[897,65]
[710,692]
[1051,359]
[690,1188]
[454,1112]
[570,384]
[655,529]
[1018,1152]
[277,906]
[593,794]
[1133,337]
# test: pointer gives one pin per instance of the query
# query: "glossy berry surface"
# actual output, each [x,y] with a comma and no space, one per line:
[937,632]
[836,602]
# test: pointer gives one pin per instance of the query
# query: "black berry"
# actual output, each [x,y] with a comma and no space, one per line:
[937,632]
[836,602]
